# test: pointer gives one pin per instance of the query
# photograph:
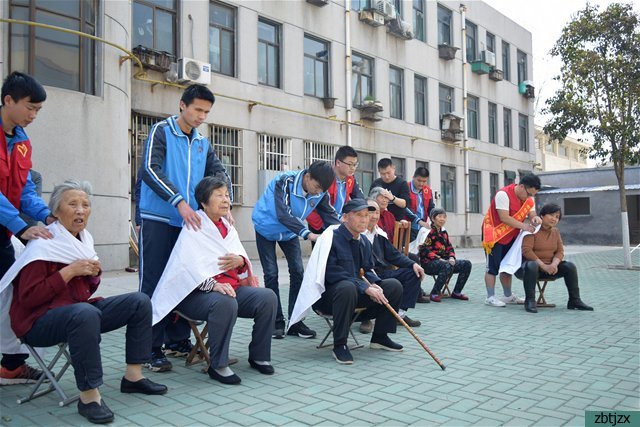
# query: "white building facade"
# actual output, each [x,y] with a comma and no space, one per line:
[286,94]
[552,155]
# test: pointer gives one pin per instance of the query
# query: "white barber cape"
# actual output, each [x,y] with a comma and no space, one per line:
[512,261]
[414,247]
[312,286]
[63,248]
[194,258]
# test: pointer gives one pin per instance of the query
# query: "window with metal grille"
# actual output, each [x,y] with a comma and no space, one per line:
[141,125]
[366,170]
[274,152]
[227,144]
[577,206]
[55,58]
[318,151]
[475,190]
[448,187]
[494,185]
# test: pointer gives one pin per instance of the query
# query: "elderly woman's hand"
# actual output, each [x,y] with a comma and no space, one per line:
[224,289]
[81,267]
[230,262]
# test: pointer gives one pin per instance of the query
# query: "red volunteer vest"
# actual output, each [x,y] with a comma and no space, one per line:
[426,199]
[493,230]
[14,169]
[314,219]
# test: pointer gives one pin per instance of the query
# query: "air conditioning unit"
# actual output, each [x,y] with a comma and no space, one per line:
[451,127]
[194,71]
[385,7]
[488,57]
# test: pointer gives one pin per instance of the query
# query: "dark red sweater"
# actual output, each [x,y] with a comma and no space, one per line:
[231,276]
[39,288]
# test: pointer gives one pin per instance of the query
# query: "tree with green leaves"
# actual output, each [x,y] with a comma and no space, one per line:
[600,93]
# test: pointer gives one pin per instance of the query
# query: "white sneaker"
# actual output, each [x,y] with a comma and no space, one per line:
[513,299]
[494,301]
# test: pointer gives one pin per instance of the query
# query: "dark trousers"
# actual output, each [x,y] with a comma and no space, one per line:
[410,285]
[157,240]
[566,269]
[81,324]
[443,272]
[221,312]
[342,298]
[269,261]
[7,258]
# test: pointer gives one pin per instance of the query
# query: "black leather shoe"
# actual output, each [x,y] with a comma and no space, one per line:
[263,369]
[577,304]
[530,306]
[95,413]
[409,321]
[144,386]
[231,379]
[423,299]
[383,342]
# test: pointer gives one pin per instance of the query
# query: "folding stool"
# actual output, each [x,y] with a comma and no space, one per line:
[48,374]
[329,319]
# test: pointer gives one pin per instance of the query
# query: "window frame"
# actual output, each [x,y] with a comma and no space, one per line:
[400,164]
[418,7]
[492,115]
[367,167]
[523,136]
[490,43]
[569,210]
[473,122]
[282,154]
[155,7]
[441,103]
[371,84]
[87,50]
[522,66]
[448,204]
[494,184]
[475,187]
[225,29]
[278,33]
[445,20]
[399,98]
[423,96]
[507,127]
[506,61]
[326,67]
[471,40]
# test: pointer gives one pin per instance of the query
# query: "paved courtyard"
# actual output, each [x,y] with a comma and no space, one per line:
[504,366]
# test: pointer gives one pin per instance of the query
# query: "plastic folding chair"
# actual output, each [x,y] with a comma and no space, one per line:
[48,374]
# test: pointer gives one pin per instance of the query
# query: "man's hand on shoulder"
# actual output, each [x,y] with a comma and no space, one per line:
[36,232]
[191,219]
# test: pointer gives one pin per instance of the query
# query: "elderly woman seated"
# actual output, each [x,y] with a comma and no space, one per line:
[54,281]
[204,281]
[543,254]
[387,221]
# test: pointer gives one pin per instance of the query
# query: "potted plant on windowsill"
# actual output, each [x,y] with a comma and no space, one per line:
[369,104]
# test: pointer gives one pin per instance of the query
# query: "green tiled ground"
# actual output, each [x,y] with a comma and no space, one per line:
[504,367]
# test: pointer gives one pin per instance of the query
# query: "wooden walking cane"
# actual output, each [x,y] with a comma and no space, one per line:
[407,327]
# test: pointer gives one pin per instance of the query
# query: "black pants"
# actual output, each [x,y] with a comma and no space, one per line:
[157,240]
[7,258]
[410,285]
[341,300]
[443,271]
[566,269]
[82,324]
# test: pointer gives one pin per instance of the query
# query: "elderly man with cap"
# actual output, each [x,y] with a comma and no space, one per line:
[345,290]
[439,259]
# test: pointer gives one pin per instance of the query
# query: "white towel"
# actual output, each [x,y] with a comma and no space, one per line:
[63,248]
[414,247]
[194,258]
[513,259]
[312,286]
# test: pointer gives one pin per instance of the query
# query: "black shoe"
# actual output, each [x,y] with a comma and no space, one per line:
[577,304]
[342,354]
[409,321]
[95,413]
[383,342]
[530,306]
[366,326]
[301,330]
[144,386]
[278,333]
[423,299]
[263,369]
[159,362]
[231,379]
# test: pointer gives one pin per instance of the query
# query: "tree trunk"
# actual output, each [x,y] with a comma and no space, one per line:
[626,244]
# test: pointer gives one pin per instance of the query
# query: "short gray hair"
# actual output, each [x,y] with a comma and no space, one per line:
[60,189]
[375,192]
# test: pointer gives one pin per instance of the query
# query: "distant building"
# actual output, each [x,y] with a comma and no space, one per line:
[285,85]
[590,202]
[555,156]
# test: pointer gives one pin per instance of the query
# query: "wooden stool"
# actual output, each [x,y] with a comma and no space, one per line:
[541,301]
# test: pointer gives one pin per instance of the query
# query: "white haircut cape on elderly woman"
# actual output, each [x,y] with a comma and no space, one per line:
[63,248]
[193,260]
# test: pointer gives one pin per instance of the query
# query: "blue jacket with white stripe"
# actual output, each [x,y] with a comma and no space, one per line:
[172,165]
[284,205]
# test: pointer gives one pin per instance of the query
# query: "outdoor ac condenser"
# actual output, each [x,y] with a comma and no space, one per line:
[194,71]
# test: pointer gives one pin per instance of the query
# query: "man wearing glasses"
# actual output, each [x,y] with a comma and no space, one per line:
[344,187]
[506,216]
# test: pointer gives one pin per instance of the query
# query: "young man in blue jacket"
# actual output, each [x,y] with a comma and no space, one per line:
[22,99]
[176,157]
[279,217]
